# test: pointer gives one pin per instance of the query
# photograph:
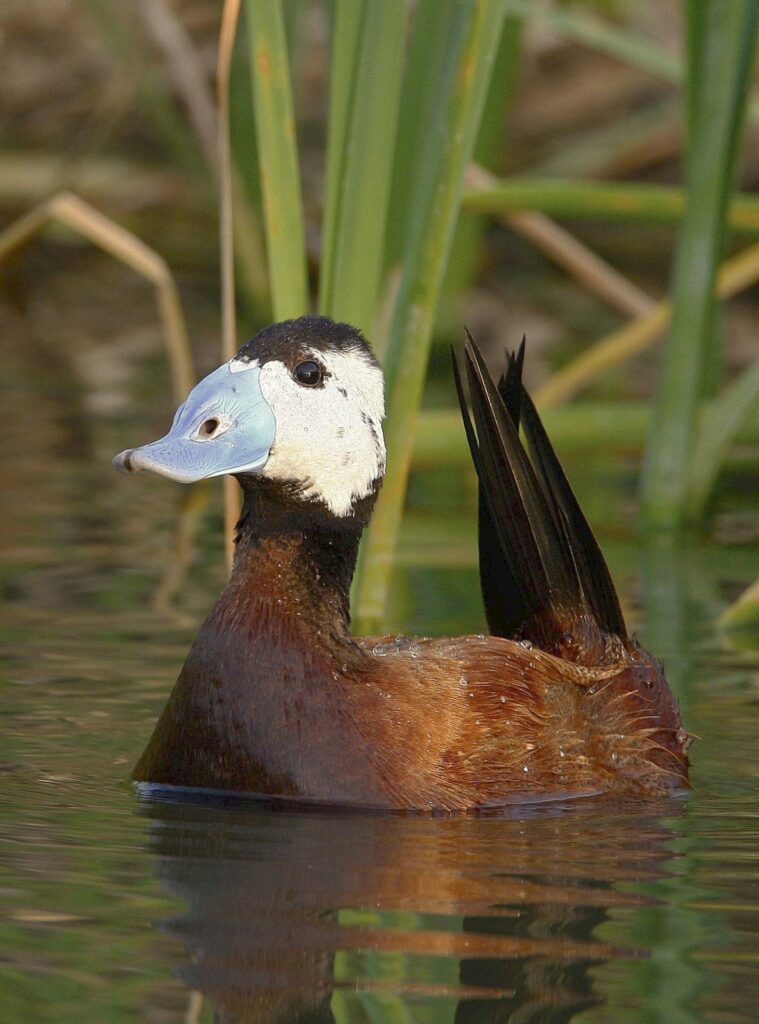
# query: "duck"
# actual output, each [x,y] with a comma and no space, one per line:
[279,700]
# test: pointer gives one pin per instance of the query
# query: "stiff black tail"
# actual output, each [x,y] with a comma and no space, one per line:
[540,565]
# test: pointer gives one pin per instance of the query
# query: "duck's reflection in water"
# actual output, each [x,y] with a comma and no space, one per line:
[318,916]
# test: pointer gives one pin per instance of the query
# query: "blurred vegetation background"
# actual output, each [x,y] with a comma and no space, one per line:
[598,119]
[560,140]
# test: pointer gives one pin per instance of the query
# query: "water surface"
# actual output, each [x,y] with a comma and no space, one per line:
[119,907]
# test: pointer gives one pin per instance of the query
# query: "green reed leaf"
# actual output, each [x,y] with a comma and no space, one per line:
[451,108]
[720,424]
[591,31]
[346,27]
[467,242]
[720,57]
[366,71]
[278,159]
[617,201]
[743,615]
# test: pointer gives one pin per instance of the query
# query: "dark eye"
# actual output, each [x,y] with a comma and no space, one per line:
[308,373]
[209,427]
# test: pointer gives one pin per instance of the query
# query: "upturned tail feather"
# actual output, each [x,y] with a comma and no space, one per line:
[540,564]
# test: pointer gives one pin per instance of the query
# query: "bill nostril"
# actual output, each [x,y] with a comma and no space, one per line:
[209,427]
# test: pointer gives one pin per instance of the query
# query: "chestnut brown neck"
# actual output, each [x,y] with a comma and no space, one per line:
[257,703]
[297,556]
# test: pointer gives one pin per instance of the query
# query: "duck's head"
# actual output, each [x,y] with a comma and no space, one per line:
[302,402]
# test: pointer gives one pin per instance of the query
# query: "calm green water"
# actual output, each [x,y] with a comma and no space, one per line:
[120,908]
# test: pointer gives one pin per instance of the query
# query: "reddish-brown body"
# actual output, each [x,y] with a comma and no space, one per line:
[276,698]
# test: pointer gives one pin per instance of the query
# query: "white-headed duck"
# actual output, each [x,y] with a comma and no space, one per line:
[277,697]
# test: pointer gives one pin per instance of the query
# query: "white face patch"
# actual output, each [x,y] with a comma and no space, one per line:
[329,438]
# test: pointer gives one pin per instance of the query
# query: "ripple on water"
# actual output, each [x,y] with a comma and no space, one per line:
[618,913]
